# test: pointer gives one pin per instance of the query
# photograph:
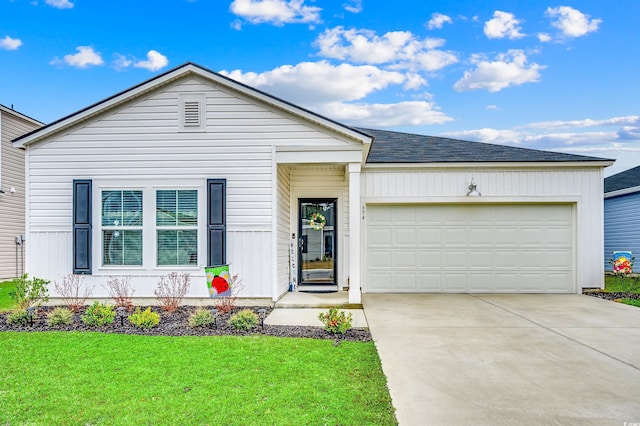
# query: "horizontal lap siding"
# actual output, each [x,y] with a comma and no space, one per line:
[12,207]
[584,185]
[140,141]
[621,230]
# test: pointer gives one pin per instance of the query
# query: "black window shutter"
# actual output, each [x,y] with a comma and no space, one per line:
[216,222]
[82,226]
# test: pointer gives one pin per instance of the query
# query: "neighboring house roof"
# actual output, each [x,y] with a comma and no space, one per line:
[622,183]
[19,114]
[396,147]
[177,73]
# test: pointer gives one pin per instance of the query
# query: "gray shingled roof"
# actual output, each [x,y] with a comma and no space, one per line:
[397,147]
[623,180]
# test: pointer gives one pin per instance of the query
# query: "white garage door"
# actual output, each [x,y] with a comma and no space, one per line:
[469,248]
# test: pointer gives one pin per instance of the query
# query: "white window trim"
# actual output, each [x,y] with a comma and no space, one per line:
[149,240]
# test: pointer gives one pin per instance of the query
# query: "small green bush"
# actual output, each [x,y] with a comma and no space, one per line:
[244,320]
[29,292]
[336,321]
[60,316]
[144,319]
[19,317]
[201,318]
[98,314]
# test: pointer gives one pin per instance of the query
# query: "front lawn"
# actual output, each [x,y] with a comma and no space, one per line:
[5,301]
[615,285]
[114,379]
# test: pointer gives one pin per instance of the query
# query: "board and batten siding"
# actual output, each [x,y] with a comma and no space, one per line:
[621,226]
[326,181]
[12,204]
[284,230]
[140,142]
[582,186]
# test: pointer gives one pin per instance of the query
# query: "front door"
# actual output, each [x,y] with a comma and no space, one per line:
[317,232]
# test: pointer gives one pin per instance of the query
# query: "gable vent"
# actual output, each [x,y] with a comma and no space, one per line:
[191,114]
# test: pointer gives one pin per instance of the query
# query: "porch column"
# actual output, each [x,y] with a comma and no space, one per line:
[354,233]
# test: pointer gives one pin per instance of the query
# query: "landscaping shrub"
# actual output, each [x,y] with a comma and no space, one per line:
[227,303]
[336,321]
[60,316]
[19,317]
[121,291]
[144,319]
[98,314]
[172,289]
[29,292]
[244,320]
[71,293]
[201,318]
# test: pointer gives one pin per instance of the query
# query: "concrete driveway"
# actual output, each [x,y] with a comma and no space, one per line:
[508,359]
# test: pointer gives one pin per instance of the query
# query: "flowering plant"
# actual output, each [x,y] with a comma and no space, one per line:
[317,221]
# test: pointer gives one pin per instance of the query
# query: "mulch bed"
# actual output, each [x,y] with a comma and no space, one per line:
[177,324]
[611,296]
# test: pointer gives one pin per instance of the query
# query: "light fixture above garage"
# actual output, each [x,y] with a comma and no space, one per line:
[473,192]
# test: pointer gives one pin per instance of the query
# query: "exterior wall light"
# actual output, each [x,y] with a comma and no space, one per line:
[473,192]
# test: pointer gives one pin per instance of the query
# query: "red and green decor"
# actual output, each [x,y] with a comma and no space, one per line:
[622,262]
[218,280]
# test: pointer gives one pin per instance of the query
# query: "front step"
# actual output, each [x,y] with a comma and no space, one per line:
[298,300]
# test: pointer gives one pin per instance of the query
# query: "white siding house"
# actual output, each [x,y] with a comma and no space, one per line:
[12,191]
[144,163]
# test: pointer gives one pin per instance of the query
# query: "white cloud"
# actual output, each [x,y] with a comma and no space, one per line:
[331,90]
[413,113]
[155,61]
[509,69]
[60,4]
[313,83]
[630,120]
[438,20]
[572,22]
[544,37]
[503,24]
[9,43]
[85,57]
[121,62]
[353,6]
[276,12]
[399,49]
[493,107]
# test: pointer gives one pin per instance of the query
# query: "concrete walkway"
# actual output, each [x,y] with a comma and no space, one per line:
[508,359]
[299,308]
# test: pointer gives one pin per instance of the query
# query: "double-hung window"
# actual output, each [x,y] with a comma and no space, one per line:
[177,227]
[121,227]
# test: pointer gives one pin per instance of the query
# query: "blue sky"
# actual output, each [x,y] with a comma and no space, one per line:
[560,76]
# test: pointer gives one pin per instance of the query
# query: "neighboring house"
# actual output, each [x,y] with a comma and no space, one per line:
[12,192]
[191,168]
[621,214]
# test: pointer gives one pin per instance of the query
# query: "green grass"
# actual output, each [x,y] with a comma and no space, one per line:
[5,301]
[614,285]
[93,378]
[632,302]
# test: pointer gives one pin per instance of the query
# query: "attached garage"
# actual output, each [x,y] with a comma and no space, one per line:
[474,247]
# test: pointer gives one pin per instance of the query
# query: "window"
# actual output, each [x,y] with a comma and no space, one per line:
[177,227]
[121,227]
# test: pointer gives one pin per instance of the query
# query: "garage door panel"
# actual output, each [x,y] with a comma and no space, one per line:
[405,237]
[404,258]
[454,282]
[469,248]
